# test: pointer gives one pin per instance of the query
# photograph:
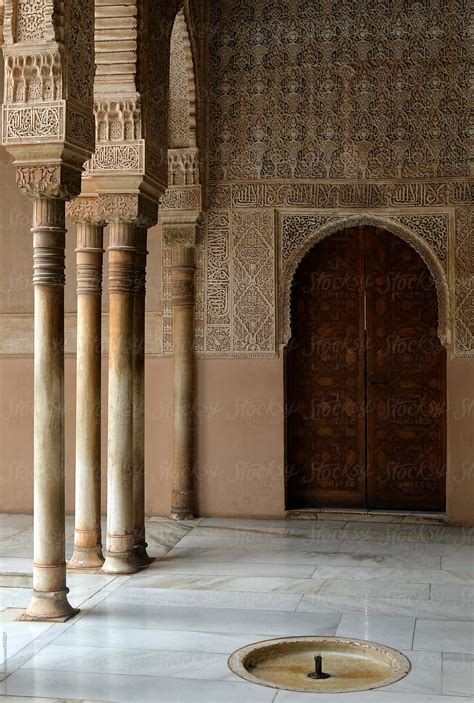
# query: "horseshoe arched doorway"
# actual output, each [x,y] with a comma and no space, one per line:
[365,378]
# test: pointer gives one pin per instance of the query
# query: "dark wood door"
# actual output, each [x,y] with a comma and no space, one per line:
[326,377]
[406,367]
[365,378]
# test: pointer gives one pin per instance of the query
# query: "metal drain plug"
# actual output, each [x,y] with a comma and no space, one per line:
[318,669]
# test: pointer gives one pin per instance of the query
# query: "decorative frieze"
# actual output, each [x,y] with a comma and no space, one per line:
[254,194]
[126,157]
[33,123]
[188,198]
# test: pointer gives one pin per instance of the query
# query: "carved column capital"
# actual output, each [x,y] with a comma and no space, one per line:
[133,208]
[181,228]
[85,209]
[49,181]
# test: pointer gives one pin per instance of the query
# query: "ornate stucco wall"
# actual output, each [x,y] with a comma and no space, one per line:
[326,109]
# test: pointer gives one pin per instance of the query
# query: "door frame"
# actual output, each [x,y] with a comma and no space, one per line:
[324,227]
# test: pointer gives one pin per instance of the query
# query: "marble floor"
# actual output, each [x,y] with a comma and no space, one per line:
[164,635]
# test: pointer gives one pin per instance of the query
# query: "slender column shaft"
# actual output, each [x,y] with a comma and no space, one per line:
[140,544]
[182,498]
[87,534]
[119,557]
[49,601]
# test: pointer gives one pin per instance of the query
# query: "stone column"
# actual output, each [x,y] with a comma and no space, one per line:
[87,533]
[119,557]
[49,600]
[182,497]
[140,544]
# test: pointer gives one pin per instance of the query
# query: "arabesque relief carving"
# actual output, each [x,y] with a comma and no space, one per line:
[427,234]
[464,284]
[242,307]
[354,90]
[235,286]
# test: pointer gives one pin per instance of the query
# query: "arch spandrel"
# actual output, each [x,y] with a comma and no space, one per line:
[319,227]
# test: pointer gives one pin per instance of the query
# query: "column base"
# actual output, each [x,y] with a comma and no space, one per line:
[181,514]
[49,607]
[119,563]
[141,555]
[86,558]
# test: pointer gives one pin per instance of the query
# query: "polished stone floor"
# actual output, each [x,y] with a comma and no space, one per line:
[164,635]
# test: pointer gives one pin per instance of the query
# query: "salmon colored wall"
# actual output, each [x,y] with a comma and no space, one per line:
[239,432]
[239,437]
[460,480]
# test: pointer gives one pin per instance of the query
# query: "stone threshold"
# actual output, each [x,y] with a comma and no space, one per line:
[394,517]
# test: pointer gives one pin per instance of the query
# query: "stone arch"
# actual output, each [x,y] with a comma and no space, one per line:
[335,224]
[182,117]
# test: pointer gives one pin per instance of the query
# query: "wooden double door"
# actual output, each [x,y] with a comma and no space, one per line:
[366,387]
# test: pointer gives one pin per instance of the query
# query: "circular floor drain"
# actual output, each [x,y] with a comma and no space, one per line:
[319,664]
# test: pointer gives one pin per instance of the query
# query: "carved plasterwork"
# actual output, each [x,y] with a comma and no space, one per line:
[183,167]
[464,284]
[186,198]
[49,69]
[52,181]
[34,123]
[361,194]
[427,234]
[338,89]
[182,98]
[33,77]
[184,180]
[128,207]
[85,209]
[253,282]
[234,285]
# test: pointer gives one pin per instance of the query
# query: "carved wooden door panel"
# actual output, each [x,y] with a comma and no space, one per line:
[326,377]
[365,378]
[405,379]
